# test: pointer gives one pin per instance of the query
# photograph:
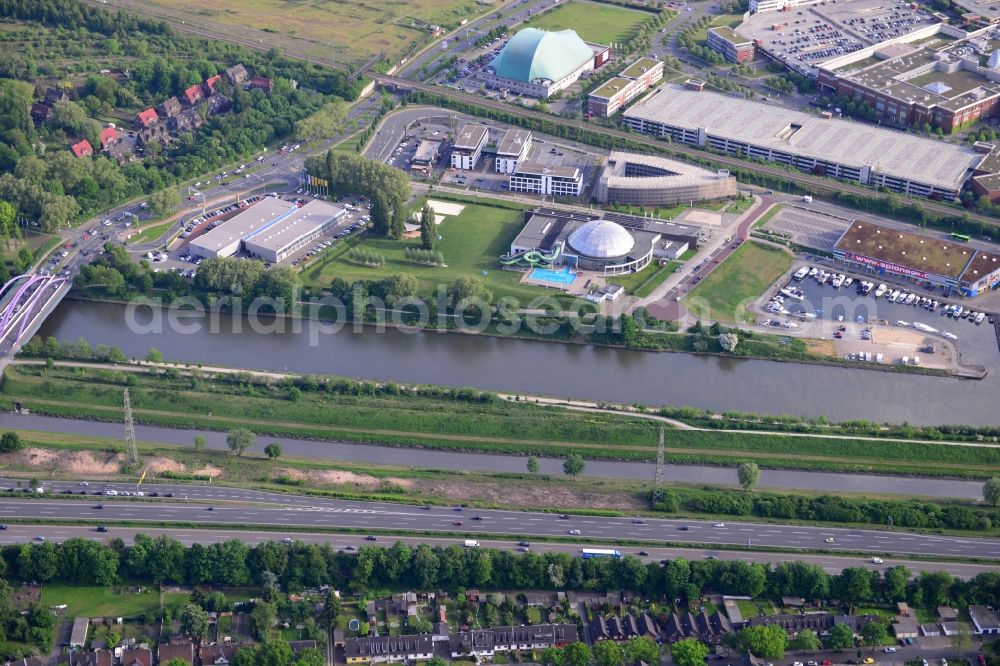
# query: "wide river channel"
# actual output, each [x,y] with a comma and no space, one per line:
[572,371]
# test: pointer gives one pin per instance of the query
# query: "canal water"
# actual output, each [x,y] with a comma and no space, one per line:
[571,371]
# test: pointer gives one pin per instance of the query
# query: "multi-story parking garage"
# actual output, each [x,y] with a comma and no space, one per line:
[841,149]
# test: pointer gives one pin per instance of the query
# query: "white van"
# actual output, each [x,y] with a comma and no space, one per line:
[471,543]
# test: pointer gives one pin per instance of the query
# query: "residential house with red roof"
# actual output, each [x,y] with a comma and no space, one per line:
[82,149]
[147,118]
[194,94]
[109,135]
[210,83]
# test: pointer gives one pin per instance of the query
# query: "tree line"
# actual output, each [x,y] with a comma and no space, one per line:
[832,508]
[300,565]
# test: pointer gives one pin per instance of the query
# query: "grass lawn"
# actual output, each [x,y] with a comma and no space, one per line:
[594,22]
[100,601]
[643,283]
[741,278]
[766,217]
[150,234]
[471,243]
[881,612]
[343,31]
[748,609]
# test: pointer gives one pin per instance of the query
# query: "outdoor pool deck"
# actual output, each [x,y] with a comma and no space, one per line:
[541,277]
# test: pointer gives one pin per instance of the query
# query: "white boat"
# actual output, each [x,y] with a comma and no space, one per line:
[924,327]
[910,298]
[957,312]
[848,282]
[800,274]
[881,290]
[900,322]
[806,316]
[838,281]
[792,292]
[980,317]
[950,336]
[813,271]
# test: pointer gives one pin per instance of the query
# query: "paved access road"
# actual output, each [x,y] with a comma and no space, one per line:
[832,482]
[215,505]
[349,542]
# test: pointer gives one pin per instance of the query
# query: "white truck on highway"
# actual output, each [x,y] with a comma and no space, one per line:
[471,543]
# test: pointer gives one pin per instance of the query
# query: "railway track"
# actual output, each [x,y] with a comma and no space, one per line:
[816,183]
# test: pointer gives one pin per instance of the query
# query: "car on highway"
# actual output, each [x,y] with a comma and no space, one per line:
[288,541]
[98,506]
[457,522]
[797,663]
[3,527]
[477,517]
[683,528]
[425,507]
[349,548]
[876,560]
[102,528]
[524,544]
[719,525]
[372,537]
[831,540]
[210,508]
[871,660]
[564,516]
[643,553]
[638,521]
[574,531]
[889,650]
[39,538]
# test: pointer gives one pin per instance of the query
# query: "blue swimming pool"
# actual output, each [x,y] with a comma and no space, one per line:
[563,276]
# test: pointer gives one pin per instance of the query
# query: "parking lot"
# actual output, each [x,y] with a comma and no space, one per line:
[807,227]
[806,37]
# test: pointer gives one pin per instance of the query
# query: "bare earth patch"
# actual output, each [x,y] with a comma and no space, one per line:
[334,477]
[160,464]
[71,462]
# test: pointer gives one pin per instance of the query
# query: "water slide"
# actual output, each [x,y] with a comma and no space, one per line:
[534,257]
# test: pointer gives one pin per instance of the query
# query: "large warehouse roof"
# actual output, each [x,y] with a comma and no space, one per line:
[534,54]
[849,143]
[302,222]
[239,227]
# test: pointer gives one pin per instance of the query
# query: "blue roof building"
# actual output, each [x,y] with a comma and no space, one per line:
[538,62]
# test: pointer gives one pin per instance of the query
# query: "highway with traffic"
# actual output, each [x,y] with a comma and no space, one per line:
[350,542]
[224,506]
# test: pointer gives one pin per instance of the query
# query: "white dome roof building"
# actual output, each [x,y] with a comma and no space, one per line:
[616,246]
[601,239]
